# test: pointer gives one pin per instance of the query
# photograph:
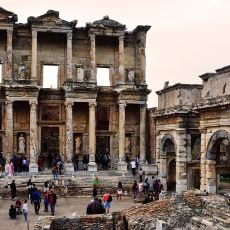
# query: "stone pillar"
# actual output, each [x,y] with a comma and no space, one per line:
[211,176]
[9,53]
[163,171]
[33,137]
[122,165]
[8,140]
[69,56]
[92,57]
[121,59]
[181,159]
[92,167]
[34,55]
[69,167]
[142,134]
[203,161]
[141,56]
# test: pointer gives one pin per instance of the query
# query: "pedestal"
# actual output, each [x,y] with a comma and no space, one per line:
[92,167]
[33,167]
[122,166]
[69,167]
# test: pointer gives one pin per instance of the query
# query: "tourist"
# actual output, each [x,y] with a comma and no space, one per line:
[141,173]
[13,189]
[29,186]
[140,188]
[36,200]
[75,162]
[85,161]
[52,198]
[119,191]
[11,168]
[50,160]
[45,195]
[135,189]
[55,171]
[32,190]
[25,210]
[133,166]
[146,186]
[40,163]
[18,206]
[160,186]
[137,161]
[107,198]
[94,191]
[2,162]
[99,209]
[90,208]
[12,212]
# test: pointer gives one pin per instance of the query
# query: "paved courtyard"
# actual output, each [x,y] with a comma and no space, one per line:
[65,206]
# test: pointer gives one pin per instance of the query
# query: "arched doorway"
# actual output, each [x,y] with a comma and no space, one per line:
[218,162]
[168,162]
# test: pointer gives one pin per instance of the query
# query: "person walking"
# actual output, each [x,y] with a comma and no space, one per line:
[25,210]
[119,191]
[13,189]
[45,195]
[141,172]
[107,198]
[29,186]
[146,186]
[11,168]
[135,189]
[52,198]
[36,200]
[12,212]
[133,165]
[94,191]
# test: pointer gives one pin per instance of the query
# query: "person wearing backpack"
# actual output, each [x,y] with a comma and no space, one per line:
[52,198]
[107,198]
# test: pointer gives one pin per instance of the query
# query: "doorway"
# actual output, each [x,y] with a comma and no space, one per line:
[103,146]
[49,142]
[171,180]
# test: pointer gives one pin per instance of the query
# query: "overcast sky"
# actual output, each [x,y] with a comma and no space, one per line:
[187,38]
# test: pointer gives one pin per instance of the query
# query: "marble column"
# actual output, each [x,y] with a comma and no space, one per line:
[9,53]
[92,137]
[8,140]
[121,59]
[69,167]
[141,57]
[122,165]
[142,134]
[34,55]
[211,185]
[203,161]
[33,167]
[92,57]
[69,55]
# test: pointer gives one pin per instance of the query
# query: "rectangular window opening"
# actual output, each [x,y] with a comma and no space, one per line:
[0,73]
[103,77]
[50,76]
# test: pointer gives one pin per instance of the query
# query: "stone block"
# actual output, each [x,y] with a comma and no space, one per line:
[33,167]
[69,167]
[122,166]
[92,167]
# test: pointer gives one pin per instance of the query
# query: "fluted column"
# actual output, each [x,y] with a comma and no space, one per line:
[121,59]
[92,57]
[9,53]
[142,134]
[122,166]
[92,136]
[8,140]
[33,136]
[69,55]
[34,55]
[69,137]
[141,57]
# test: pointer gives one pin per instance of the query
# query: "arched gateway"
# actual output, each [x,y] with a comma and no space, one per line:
[218,162]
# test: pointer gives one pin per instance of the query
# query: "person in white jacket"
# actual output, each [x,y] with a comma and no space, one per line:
[25,210]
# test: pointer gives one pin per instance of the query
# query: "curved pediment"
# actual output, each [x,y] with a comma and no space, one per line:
[7,16]
[51,18]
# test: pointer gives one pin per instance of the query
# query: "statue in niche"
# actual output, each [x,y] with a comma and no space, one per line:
[127,144]
[77,145]
[21,144]
[21,71]
[131,75]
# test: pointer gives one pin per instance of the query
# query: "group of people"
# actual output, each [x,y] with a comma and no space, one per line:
[56,167]
[103,160]
[19,208]
[18,163]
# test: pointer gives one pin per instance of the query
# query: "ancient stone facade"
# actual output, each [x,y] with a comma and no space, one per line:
[192,134]
[79,116]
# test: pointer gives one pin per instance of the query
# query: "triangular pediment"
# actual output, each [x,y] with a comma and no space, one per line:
[7,16]
[51,18]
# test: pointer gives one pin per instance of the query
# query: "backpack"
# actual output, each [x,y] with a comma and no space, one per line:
[110,198]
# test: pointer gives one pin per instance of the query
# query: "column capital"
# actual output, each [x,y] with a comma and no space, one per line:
[92,35]
[10,31]
[69,35]
[33,102]
[34,34]
[9,102]
[69,104]
[92,105]
[121,38]
[143,107]
[122,104]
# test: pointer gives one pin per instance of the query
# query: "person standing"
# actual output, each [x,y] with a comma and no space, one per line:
[25,210]
[45,195]
[36,200]
[12,212]
[107,198]
[141,172]
[13,189]
[133,165]
[52,198]
[135,189]
[94,191]
[119,191]
[29,186]
[11,168]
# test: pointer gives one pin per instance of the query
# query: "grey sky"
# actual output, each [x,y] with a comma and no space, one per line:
[187,38]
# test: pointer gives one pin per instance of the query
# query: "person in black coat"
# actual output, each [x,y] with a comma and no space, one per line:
[12,212]
[13,189]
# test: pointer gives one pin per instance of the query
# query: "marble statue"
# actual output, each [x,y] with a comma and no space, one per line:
[21,144]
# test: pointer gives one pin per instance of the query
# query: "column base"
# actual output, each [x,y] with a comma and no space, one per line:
[92,167]
[33,167]
[122,166]
[69,167]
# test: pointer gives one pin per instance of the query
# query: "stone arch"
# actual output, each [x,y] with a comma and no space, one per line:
[168,137]
[214,141]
